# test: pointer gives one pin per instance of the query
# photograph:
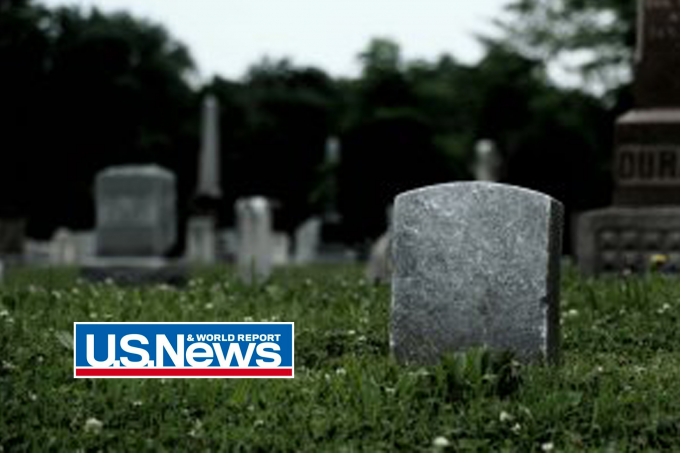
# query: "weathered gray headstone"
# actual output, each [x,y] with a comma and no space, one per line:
[475,265]
[307,241]
[254,226]
[201,240]
[644,220]
[135,211]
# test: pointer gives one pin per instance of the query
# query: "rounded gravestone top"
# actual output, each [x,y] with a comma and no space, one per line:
[476,186]
[149,170]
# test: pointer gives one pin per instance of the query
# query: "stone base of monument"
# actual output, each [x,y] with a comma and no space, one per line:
[135,271]
[621,239]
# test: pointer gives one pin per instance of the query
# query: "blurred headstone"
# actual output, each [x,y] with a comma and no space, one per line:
[135,227]
[307,241]
[475,265]
[488,161]
[254,226]
[135,211]
[63,248]
[201,240]
[644,221]
[280,249]
[379,268]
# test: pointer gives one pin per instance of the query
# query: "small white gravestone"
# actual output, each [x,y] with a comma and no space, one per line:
[488,161]
[280,249]
[475,265]
[307,241]
[379,268]
[63,248]
[254,226]
[201,240]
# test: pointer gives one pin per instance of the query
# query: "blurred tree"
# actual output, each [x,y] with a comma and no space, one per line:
[273,139]
[112,89]
[23,53]
[596,35]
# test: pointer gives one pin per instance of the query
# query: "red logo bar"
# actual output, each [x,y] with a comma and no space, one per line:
[181,372]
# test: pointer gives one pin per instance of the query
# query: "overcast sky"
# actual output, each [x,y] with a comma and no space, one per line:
[226,36]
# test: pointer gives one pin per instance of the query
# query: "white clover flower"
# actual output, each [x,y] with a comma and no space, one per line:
[548,446]
[505,417]
[341,371]
[441,442]
[93,425]
[516,428]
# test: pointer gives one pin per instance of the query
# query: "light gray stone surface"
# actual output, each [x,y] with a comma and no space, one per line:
[135,211]
[254,226]
[475,265]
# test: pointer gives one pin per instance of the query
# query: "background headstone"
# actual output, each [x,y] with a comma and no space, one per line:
[646,212]
[475,265]
[63,248]
[135,211]
[307,241]
[488,162]
[379,268]
[280,249]
[201,240]
[254,226]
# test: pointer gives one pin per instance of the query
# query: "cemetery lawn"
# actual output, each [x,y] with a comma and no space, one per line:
[617,387]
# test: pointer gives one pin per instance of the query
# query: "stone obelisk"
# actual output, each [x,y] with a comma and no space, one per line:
[201,231]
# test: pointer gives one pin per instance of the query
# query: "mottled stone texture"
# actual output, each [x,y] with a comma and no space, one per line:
[476,265]
[627,239]
[135,211]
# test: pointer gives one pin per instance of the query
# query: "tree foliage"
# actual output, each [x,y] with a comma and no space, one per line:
[596,36]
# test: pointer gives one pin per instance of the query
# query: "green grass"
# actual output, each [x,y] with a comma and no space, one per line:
[616,389]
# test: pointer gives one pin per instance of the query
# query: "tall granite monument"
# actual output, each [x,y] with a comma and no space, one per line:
[645,219]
